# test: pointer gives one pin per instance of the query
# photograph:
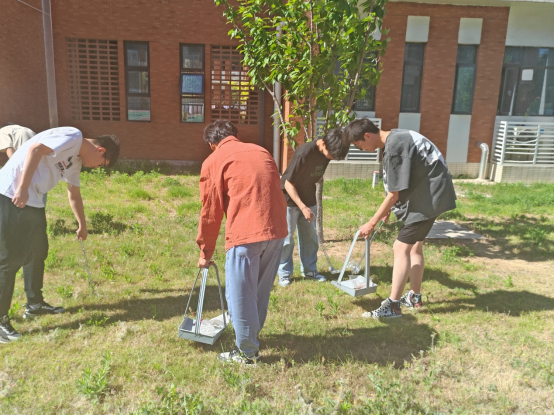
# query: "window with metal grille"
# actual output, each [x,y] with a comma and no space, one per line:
[93,79]
[233,97]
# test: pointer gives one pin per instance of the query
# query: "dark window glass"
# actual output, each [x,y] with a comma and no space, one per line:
[411,78]
[527,84]
[137,54]
[465,79]
[192,56]
[137,77]
[368,102]
[192,83]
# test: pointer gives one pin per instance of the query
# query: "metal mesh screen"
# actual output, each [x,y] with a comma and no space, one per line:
[233,98]
[93,79]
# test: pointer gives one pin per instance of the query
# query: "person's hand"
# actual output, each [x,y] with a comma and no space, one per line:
[82,233]
[308,213]
[367,229]
[21,197]
[386,218]
[204,263]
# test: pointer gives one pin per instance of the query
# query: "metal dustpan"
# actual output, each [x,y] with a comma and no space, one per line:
[206,331]
[357,285]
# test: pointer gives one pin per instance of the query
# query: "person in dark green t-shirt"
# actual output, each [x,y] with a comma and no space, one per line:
[298,183]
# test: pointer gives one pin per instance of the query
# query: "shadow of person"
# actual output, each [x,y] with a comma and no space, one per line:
[137,309]
[498,301]
[399,341]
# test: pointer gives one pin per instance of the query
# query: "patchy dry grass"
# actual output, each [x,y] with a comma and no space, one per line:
[481,344]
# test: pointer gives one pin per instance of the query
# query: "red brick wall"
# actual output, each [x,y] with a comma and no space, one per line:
[439,70]
[23,95]
[490,58]
[164,24]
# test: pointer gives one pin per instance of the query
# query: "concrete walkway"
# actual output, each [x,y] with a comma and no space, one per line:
[449,229]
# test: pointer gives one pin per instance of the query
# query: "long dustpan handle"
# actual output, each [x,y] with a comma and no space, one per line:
[192,290]
[201,301]
[348,256]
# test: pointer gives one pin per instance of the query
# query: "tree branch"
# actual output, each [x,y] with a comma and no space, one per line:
[357,78]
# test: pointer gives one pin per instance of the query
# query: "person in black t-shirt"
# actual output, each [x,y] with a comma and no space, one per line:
[298,183]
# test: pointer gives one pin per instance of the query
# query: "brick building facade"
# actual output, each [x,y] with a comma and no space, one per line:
[82,28]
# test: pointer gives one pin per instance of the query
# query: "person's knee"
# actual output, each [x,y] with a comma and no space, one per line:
[417,248]
[401,249]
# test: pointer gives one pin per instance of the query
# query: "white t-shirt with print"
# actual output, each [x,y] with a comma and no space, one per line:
[14,136]
[63,164]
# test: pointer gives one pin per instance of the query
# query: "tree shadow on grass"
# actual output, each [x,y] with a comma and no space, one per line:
[499,301]
[399,341]
[535,244]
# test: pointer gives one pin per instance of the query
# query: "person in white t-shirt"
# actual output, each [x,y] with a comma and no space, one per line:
[12,137]
[36,167]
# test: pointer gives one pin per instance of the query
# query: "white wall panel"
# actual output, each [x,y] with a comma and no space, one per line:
[531,25]
[458,138]
[470,31]
[418,29]
[409,121]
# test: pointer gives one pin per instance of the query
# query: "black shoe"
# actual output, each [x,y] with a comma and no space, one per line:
[7,332]
[42,308]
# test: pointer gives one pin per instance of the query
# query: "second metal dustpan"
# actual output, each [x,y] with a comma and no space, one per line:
[357,285]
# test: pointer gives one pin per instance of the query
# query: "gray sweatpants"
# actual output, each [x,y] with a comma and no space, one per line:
[250,271]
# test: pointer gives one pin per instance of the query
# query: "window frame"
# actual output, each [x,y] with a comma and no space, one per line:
[412,62]
[521,67]
[128,69]
[192,71]
[465,65]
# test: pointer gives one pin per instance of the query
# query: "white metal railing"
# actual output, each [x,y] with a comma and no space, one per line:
[524,143]
[354,154]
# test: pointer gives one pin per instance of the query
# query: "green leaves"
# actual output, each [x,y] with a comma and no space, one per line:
[313,48]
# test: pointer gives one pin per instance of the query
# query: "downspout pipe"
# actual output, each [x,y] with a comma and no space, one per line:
[277,90]
[484,159]
[49,58]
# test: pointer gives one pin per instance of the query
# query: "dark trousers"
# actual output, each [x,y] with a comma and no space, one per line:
[23,243]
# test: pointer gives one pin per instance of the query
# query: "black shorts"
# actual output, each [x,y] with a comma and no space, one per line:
[417,231]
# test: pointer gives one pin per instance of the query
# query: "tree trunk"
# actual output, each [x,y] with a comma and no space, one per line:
[319,202]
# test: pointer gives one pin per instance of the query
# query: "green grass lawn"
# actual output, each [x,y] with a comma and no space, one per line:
[482,343]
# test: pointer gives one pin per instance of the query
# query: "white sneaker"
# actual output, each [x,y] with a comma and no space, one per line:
[237,356]
[315,276]
[284,281]
[388,309]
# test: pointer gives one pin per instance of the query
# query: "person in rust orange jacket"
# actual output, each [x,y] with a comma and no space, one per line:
[241,181]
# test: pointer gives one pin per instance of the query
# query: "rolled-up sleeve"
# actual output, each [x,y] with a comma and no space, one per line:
[211,215]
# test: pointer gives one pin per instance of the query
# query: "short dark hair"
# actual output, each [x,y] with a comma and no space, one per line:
[217,130]
[356,129]
[334,145]
[110,142]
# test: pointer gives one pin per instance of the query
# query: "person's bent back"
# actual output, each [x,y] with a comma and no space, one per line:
[242,181]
